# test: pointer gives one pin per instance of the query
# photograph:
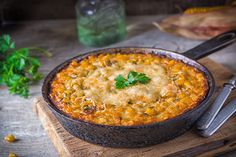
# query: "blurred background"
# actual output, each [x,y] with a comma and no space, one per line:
[12,10]
[192,19]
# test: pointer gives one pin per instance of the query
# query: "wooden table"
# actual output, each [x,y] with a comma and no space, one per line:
[59,37]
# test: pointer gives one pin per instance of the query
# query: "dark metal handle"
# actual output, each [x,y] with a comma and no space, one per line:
[210,46]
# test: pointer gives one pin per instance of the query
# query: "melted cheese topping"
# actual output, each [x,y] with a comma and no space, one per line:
[86,90]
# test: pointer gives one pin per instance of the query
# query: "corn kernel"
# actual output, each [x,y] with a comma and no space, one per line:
[150,111]
[11,154]
[10,138]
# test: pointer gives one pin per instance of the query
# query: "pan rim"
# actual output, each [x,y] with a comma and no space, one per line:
[52,73]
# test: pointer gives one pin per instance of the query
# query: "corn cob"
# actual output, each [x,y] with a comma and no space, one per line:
[203,9]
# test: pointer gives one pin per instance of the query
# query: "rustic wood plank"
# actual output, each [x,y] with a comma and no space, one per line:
[189,144]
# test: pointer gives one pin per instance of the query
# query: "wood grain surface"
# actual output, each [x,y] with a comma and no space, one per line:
[189,144]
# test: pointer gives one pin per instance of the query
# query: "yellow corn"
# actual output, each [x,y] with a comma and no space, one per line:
[203,9]
[150,111]
[10,138]
[12,155]
[130,111]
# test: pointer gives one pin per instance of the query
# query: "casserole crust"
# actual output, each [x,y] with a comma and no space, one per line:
[85,90]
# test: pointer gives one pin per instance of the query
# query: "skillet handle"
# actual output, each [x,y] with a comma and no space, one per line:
[210,46]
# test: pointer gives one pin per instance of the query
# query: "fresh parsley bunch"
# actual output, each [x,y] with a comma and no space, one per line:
[17,68]
[132,79]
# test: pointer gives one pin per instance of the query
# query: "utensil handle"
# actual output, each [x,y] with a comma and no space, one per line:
[210,46]
[205,121]
[220,119]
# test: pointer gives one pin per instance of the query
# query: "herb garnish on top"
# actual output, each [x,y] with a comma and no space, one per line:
[132,79]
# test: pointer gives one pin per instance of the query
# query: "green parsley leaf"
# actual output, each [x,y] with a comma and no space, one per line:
[17,68]
[132,79]
[6,44]
[121,82]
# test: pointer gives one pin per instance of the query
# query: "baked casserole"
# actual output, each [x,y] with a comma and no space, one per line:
[87,89]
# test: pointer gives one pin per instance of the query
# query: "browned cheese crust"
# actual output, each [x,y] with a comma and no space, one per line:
[85,90]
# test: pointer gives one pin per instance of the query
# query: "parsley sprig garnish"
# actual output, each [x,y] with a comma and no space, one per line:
[132,79]
[17,68]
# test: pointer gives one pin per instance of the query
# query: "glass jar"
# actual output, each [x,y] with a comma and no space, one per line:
[100,22]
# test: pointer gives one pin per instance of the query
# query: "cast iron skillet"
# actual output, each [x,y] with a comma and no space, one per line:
[141,135]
